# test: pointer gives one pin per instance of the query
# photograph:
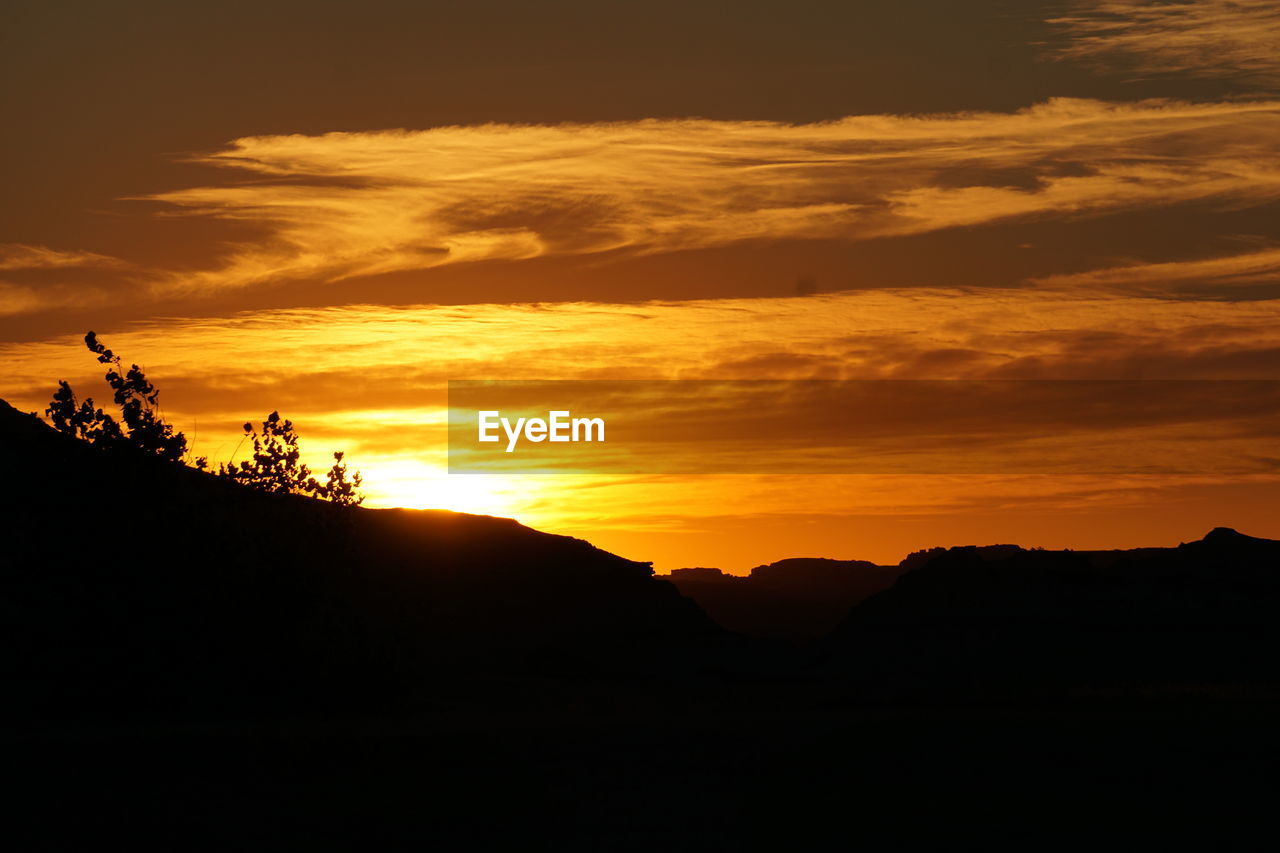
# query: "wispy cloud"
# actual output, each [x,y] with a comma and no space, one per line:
[340,205]
[1247,268]
[379,359]
[21,256]
[1213,38]
[23,297]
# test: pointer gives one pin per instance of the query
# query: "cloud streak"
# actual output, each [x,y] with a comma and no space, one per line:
[1237,39]
[21,256]
[341,205]
[22,297]
[379,359]
[1248,268]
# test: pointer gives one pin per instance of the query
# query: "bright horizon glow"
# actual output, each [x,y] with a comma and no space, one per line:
[370,387]
[413,484]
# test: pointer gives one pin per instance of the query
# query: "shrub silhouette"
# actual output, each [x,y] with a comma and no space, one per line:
[143,428]
[340,488]
[276,465]
[139,403]
[82,420]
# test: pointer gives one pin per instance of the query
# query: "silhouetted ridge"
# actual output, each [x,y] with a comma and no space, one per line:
[134,583]
[1202,612]
[916,559]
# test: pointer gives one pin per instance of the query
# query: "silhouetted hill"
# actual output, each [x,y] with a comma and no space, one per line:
[1204,612]
[795,599]
[131,584]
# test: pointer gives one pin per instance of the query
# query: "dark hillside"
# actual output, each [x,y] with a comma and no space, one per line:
[134,585]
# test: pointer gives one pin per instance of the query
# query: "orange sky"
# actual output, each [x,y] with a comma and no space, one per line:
[271,212]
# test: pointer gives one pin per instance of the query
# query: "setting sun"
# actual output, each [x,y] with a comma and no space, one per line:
[418,485]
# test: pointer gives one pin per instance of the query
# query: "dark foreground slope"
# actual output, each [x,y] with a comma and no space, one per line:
[134,586]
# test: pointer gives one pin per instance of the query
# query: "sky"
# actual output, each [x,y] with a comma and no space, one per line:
[332,209]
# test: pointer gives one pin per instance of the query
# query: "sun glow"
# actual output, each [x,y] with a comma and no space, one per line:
[418,485]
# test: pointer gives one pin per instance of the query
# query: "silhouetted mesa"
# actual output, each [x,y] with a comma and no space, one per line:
[796,599]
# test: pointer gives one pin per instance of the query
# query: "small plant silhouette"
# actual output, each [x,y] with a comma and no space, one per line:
[340,488]
[82,420]
[139,403]
[143,427]
[276,465]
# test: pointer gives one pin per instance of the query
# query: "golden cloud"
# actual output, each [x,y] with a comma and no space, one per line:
[17,297]
[21,256]
[340,205]
[1215,38]
[1262,266]
[376,361]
